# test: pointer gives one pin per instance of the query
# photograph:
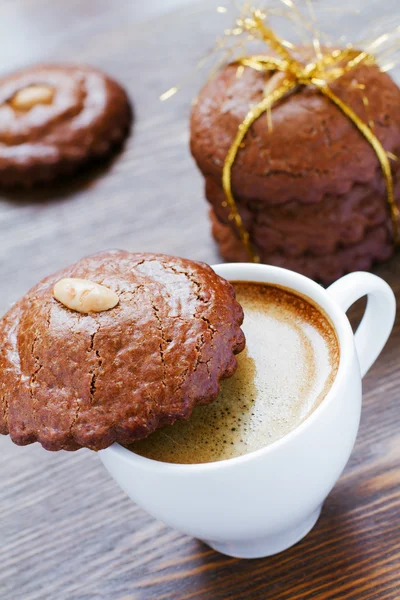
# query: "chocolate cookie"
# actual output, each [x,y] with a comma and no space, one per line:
[326,268]
[311,192]
[70,379]
[55,118]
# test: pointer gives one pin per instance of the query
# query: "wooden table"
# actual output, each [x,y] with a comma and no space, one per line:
[67,532]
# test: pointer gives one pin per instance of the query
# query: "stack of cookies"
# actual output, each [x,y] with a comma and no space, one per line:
[310,189]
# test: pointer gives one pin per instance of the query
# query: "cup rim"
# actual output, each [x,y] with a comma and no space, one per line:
[264,274]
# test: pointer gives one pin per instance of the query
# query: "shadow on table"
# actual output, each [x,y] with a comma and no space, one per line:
[325,565]
[65,186]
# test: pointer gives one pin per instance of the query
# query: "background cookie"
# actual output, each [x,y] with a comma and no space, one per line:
[55,118]
[69,379]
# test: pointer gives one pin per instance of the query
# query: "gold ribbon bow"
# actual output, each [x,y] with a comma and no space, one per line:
[328,68]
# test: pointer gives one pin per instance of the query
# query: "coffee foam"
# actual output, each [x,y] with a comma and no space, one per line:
[288,366]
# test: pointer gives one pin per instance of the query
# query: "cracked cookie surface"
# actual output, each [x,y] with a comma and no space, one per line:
[70,380]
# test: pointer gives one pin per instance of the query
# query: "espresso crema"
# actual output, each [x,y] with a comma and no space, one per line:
[286,370]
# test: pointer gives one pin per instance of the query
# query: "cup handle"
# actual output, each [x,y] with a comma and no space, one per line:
[378,319]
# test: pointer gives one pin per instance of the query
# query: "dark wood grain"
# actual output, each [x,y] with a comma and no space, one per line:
[67,532]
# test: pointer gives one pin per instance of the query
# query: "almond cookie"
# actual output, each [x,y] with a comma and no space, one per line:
[148,337]
[55,118]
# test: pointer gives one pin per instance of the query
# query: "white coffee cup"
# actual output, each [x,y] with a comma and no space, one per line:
[265,501]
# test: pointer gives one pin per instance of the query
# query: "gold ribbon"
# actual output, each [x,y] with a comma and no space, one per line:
[330,67]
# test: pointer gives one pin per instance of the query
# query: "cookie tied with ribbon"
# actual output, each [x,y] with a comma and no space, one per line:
[298,146]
